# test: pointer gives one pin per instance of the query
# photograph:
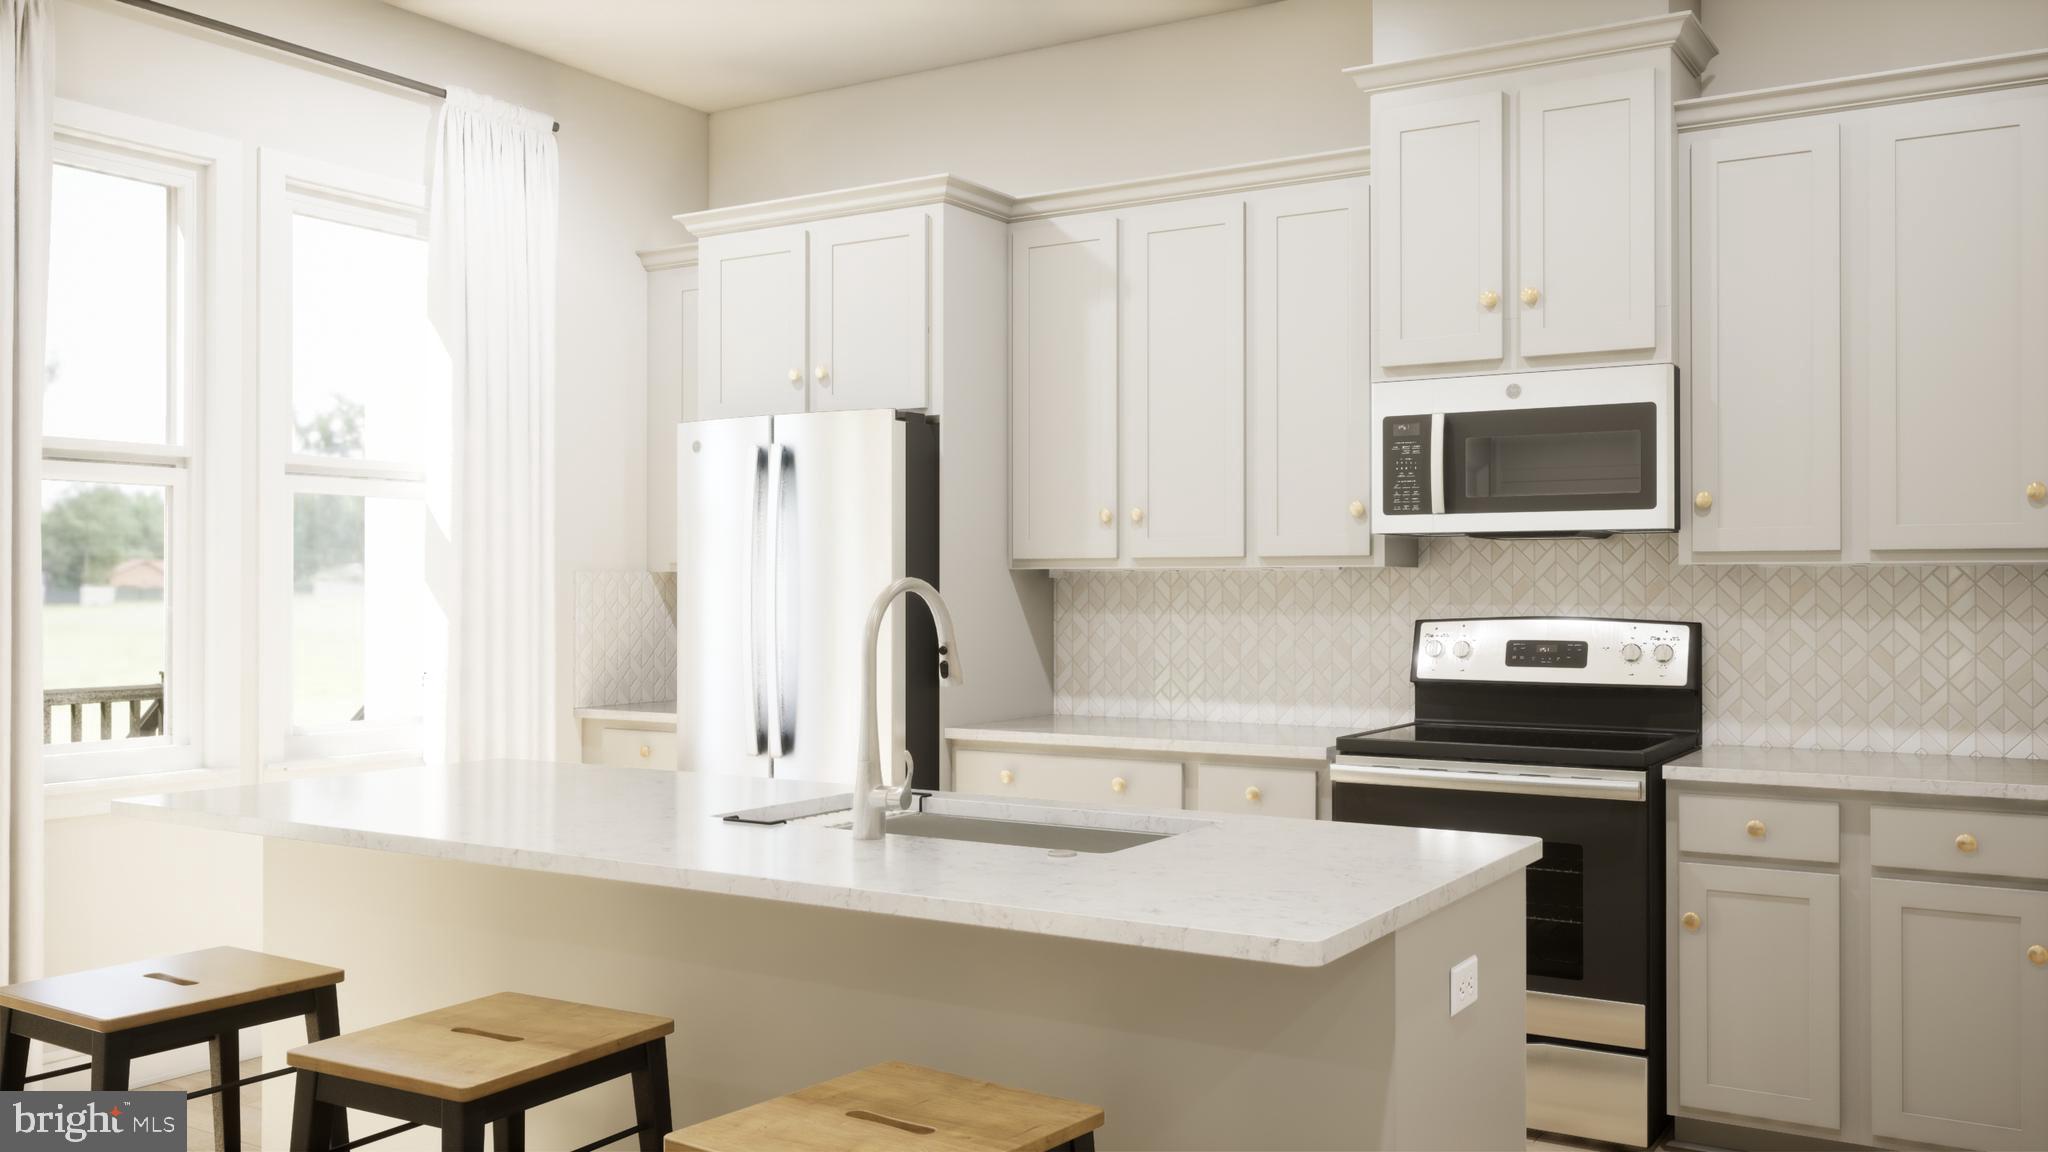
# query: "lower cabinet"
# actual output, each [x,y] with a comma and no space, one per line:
[1959,1014]
[1759,993]
[1270,789]
[619,745]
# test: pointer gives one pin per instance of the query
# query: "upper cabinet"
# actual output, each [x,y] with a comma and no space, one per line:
[1063,389]
[752,292]
[1441,185]
[671,386]
[868,298]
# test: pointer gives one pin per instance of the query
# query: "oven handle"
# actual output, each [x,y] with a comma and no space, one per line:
[1585,787]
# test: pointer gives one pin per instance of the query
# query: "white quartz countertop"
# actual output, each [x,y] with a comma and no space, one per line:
[1918,774]
[1258,888]
[652,712]
[1172,737]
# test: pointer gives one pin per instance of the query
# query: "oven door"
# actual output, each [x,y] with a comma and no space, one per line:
[1579,451]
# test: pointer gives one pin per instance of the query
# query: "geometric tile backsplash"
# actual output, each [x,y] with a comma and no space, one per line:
[625,638]
[1907,658]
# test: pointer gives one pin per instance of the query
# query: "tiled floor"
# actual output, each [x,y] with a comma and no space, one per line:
[198,1113]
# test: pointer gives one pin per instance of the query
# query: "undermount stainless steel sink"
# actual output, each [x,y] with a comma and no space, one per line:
[1019,833]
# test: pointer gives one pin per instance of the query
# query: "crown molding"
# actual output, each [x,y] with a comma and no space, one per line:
[915,192]
[1207,182]
[668,256]
[1980,75]
[1680,32]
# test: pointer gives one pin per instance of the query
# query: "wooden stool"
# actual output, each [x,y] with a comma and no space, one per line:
[118,1014]
[483,1062]
[899,1106]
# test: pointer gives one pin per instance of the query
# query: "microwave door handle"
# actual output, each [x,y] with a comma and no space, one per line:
[1437,463]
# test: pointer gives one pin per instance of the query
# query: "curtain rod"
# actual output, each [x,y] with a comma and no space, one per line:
[326,58]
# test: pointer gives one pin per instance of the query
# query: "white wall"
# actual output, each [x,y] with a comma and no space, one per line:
[1247,85]
[1765,43]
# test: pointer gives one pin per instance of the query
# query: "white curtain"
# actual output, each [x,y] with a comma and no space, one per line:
[24,266]
[494,223]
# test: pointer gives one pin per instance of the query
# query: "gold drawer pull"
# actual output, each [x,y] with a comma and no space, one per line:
[1691,920]
[2037,955]
[645,751]
[1966,843]
[1755,828]
[1117,785]
[1252,793]
[1007,776]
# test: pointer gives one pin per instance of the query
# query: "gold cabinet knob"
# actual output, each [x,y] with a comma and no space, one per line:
[2037,955]
[1530,296]
[1117,785]
[645,751]
[1007,776]
[1106,516]
[1357,509]
[796,376]
[2037,491]
[1252,793]
[1691,920]
[1755,828]
[820,372]
[1703,501]
[1137,515]
[1488,299]
[1966,843]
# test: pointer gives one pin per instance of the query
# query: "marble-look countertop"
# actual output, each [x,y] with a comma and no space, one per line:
[1279,742]
[1917,774]
[1258,888]
[652,712]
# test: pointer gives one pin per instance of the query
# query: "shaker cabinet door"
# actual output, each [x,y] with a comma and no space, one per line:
[1759,1013]
[1437,236]
[751,296]
[868,311]
[1766,340]
[1958,347]
[1959,1014]
[1181,380]
[1063,385]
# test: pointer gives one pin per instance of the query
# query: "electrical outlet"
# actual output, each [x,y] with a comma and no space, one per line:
[1464,984]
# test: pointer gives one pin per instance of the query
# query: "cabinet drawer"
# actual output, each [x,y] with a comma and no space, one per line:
[1763,828]
[1258,790]
[1979,843]
[636,748]
[1096,780]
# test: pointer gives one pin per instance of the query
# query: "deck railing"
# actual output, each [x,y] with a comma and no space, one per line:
[145,709]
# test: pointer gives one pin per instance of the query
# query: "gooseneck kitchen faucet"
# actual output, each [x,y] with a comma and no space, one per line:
[872,798]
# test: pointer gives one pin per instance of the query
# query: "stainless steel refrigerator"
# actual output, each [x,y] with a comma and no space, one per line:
[788,527]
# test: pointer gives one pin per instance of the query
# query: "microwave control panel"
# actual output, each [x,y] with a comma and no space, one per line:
[1405,465]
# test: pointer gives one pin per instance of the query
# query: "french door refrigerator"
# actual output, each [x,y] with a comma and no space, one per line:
[788,527]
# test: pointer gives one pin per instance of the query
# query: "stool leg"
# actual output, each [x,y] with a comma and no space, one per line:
[14,1056]
[312,1121]
[462,1128]
[509,1134]
[324,1022]
[109,1062]
[224,1060]
[650,1095]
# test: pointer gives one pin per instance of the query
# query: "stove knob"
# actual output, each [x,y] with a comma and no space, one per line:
[1631,652]
[1433,647]
[1461,649]
[1663,653]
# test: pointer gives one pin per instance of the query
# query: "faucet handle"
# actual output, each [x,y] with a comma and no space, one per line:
[896,798]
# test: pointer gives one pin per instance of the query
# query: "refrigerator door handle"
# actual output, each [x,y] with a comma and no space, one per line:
[755,650]
[787,601]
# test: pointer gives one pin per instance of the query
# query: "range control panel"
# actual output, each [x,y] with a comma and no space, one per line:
[1556,650]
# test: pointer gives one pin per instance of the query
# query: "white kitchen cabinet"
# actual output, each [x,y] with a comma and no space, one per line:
[1257,790]
[868,311]
[671,390]
[1437,238]
[1766,380]
[1063,389]
[1099,781]
[1958,347]
[1959,1014]
[1308,458]
[1759,1014]
[752,298]
[1586,245]
[1181,381]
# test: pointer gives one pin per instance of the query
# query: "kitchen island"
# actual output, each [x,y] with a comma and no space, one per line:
[1222,982]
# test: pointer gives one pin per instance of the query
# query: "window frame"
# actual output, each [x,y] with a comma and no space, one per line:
[290,185]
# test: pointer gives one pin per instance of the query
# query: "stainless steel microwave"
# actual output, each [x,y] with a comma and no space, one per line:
[1573,452]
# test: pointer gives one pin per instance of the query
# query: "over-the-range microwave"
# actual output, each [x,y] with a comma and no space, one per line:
[1571,452]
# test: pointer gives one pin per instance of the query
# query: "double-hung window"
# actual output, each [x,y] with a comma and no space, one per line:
[354,374]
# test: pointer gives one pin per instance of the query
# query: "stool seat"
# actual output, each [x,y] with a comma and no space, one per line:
[897,1105]
[468,1051]
[127,996]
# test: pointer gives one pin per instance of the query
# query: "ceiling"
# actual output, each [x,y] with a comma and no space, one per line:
[716,54]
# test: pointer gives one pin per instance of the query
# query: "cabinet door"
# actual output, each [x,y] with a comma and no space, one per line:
[1958,346]
[1182,379]
[1309,444]
[1958,1015]
[1063,389]
[1759,990]
[671,383]
[1767,339]
[1437,241]
[868,311]
[1588,231]
[751,300]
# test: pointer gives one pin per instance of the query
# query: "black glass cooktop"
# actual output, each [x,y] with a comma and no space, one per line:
[1505,743]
